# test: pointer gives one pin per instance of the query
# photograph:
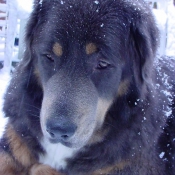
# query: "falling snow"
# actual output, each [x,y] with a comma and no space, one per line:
[161,155]
[96,2]
[41,1]
[4,80]
[62,2]
[102,25]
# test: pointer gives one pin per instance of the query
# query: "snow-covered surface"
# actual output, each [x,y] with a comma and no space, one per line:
[165,18]
[161,20]
[4,80]
[170,51]
[23,7]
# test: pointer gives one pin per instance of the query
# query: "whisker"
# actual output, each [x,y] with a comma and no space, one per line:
[109,124]
[33,106]
[34,115]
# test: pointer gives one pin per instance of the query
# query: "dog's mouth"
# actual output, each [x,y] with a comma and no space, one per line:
[62,141]
[73,143]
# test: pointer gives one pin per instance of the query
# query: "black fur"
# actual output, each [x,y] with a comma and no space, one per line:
[137,129]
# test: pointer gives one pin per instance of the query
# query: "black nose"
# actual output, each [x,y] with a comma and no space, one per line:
[60,131]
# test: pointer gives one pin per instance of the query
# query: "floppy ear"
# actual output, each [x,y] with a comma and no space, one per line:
[24,83]
[30,31]
[144,37]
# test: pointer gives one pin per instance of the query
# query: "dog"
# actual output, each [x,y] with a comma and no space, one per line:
[90,96]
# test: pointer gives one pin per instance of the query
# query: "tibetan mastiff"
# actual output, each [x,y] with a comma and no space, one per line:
[90,97]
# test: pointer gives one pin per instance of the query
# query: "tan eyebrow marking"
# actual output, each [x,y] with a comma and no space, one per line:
[91,48]
[57,49]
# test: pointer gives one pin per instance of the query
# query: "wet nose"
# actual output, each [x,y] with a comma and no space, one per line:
[60,131]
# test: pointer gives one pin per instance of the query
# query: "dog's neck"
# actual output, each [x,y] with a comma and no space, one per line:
[55,154]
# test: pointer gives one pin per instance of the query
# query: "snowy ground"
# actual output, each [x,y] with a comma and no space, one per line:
[170,50]
[4,79]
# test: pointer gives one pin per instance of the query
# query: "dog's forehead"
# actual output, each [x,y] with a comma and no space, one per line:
[95,23]
[77,20]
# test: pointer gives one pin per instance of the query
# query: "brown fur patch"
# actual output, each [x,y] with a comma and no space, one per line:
[97,137]
[102,108]
[19,149]
[117,167]
[123,88]
[91,48]
[57,49]
[37,76]
[40,169]
[7,165]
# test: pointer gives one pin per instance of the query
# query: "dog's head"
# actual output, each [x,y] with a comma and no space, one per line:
[85,54]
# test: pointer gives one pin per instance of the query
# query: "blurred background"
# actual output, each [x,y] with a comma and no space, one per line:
[13,18]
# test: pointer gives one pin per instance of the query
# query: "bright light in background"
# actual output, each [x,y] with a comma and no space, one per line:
[25,5]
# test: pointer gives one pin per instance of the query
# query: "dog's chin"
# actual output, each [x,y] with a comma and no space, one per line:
[67,144]
[73,143]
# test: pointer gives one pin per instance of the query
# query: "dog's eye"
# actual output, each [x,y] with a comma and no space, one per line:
[49,57]
[102,65]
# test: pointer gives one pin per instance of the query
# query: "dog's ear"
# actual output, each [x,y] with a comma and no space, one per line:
[24,84]
[30,30]
[144,38]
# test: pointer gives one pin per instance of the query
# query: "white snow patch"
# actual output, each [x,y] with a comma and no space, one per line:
[161,19]
[102,25]
[62,2]
[4,80]
[170,49]
[168,113]
[96,2]
[161,155]
[168,87]
[41,1]
[23,8]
